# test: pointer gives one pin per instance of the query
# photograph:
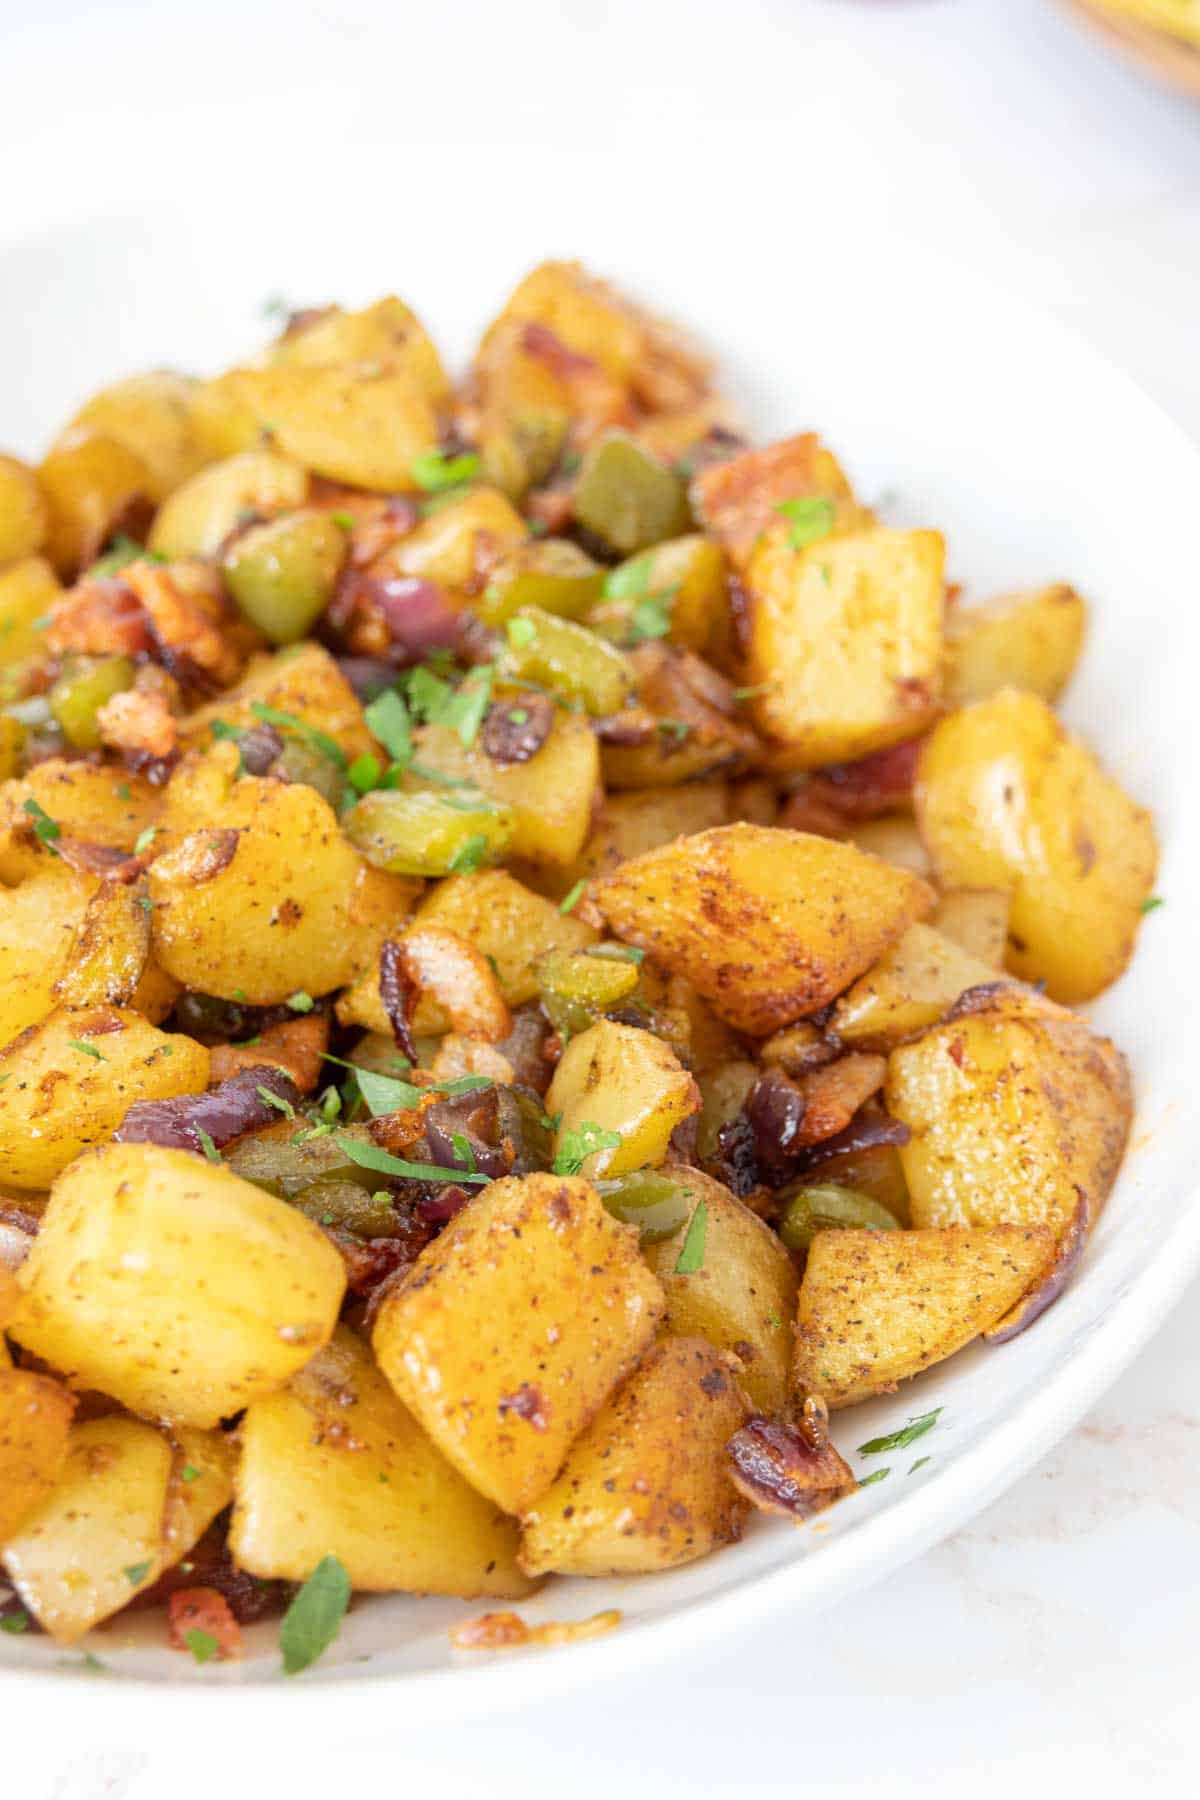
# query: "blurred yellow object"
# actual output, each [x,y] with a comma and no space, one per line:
[1181,18]
[1160,36]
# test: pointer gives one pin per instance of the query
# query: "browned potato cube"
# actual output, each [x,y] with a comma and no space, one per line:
[879,1306]
[335,1465]
[741,1297]
[976,918]
[645,1487]
[1029,640]
[513,1327]
[624,1081]
[35,1417]
[739,498]
[1017,1111]
[768,925]
[911,986]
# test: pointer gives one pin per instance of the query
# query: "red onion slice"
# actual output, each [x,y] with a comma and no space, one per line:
[1058,1273]
[789,1468]
[223,1113]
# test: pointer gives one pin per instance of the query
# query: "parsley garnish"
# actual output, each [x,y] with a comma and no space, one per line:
[573,896]
[85,1049]
[471,854]
[121,552]
[878,1475]
[651,618]
[387,719]
[691,1256]
[189,1472]
[630,579]
[202,1644]
[14,1623]
[1153,903]
[364,773]
[315,1616]
[206,1144]
[748,693]
[811,517]
[919,1464]
[136,1573]
[580,1142]
[463,1152]
[240,994]
[276,307]
[908,1434]
[123,791]
[145,839]
[346,520]
[320,740]
[300,1001]
[520,633]
[434,471]
[270,1098]
[369,1156]
[46,828]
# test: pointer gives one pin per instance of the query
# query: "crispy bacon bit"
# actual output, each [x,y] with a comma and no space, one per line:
[1060,1270]
[806,811]
[209,1565]
[789,1467]
[736,498]
[515,730]
[139,724]
[506,1630]
[867,1132]
[99,617]
[204,1609]
[223,1113]
[452,972]
[538,340]
[190,643]
[834,1094]
[880,783]
[296,1046]
[398,993]
[528,1403]
[551,507]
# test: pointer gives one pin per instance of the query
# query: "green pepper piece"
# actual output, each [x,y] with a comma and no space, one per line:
[567,658]
[627,497]
[348,1206]
[827,1206]
[274,1160]
[282,573]
[304,763]
[656,1204]
[426,834]
[81,690]
[552,574]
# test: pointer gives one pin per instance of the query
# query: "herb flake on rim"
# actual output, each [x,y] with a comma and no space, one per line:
[314,1618]
[908,1434]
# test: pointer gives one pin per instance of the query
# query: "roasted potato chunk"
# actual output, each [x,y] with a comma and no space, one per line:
[742,1294]
[154,417]
[201,514]
[388,333]
[70,1080]
[617,1081]
[645,1487]
[768,925]
[879,1306]
[28,589]
[1017,1112]
[91,482]
[38,924]
[305,683]
[108,958]
[86,801]
[1007,798]
[335,1465]
[911,986]
[24,514]
[35,1417]
[507,922]
[845,642]
[364,429]
[512,1328]
[976,918]
[174,1286]
[739,499]
[1030,640]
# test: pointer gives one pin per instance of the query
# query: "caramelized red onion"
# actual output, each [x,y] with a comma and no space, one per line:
[789,1467]
[515,730]
[775,1111]
[474,1119]
[866,1132]
[398,994]
[223,1113]
[1059,1271]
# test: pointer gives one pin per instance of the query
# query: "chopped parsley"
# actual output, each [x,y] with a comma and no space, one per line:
[920,1464]
[811,518]
[630,579]
[14,1623]
[123,791]
[387,719]
[573,896]
[270,1098]
[691,1256]
[45,828]
[877,1475]
[651,618]
[1153,903]
[520,633]
[206,1144]
[908,1434]
[434,471]
[300,1002]
[463,1153]
[145,839]
[580,1142]
[314,1618]
[286,721]
[189,1472]
[122,551]
[85,1049]
[346,520]
[136,1573]
[369,1156]
[202,1644]
[470,855]
[364,773]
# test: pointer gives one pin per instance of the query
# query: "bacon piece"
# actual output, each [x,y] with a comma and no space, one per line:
[189,641]
[139,724]
[203,1609]
[834,1094]
[296,1046]
[789,1467]
[737,498]
[99,617]
[454,974]
[506,1630]
[876,784]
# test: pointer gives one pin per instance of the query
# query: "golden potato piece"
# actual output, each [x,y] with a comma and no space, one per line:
[303,681]
[200,1487]
[174,1286]
[879,1306]
[741,1298]
[845,641]
[108,958]
[768,925]
[88,802]
[24,514]
[388,333]
[276,902]
[454,543]
[70,1080]
[739,498]
[91,482]
[199,516]
[28,590]
[365,430]
[154,417]
[645,1487]
[35,1417]
[897,840]
[911,986]
[619,1079]
[976,918]
[514,1326]
[96,1540]
[1007,798]
[1017,1111]
[335,1465]
[631,824]
[38,923]
[1030,640]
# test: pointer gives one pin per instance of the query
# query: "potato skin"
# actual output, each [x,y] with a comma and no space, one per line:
[58,1100]
[769,925]
[335,1465]
[1031,640]
[1007,798]
[878,1306]
[644,1487]
[845,637]
[513,1327]
[1017,1112]
[174,1286]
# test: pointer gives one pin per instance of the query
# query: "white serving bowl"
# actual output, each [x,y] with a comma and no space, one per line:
[950,405]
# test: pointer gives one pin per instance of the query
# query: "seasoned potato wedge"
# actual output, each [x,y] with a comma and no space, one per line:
[335,1465]
[387,333]
[363,429]
[645,1486]
[24,514]
[1017,1112]
[768,925]
[201,1486]
[38,924]
[201,513]
[304,682]
[35,1417]
[70,1080]
[455,542]
[28,589]
[551,795]
[1007,798]
[742,1297]
[89,803]
[623,1081]
[513,1327]
[845,640]
[96,1540]
[256,910]
[631,824]
[1030,640]
[976,918]
[175,1286]
[108,958]
[90,482]
[154,417]
[911,986]
[879,1306]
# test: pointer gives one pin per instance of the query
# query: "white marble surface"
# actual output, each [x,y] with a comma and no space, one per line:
[1054,1638]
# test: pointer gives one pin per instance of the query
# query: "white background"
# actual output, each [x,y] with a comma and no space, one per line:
[1054,1639]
